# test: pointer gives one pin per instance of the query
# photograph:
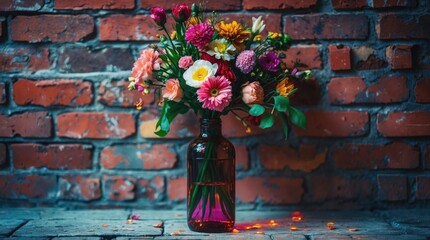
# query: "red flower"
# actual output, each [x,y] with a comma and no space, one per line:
[254,120]
[158,14]
[223,67]
[181,12]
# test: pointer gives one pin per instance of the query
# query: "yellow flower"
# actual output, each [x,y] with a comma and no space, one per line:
[257,38]
[284,87]
[192,21]
[274,35]
[234,32]
[173,35]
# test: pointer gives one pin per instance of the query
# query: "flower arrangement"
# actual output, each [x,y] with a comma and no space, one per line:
[214,68]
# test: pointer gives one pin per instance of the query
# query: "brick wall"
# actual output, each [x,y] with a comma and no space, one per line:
[69,135]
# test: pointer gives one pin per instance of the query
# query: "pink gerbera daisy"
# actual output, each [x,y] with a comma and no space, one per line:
[215,93]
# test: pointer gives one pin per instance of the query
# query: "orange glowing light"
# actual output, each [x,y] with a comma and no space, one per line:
[273,223]
[235,231]
[330,225]
[294,228]
[259,232]
[247,228]
[256,226]
[297,216]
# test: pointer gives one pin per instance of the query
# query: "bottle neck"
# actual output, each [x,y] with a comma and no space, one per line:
[210,127]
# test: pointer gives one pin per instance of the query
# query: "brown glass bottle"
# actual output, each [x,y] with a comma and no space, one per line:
[211,180]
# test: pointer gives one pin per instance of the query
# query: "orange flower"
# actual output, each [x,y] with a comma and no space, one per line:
[235,33]
[284,87]
[173,90]
[252,93]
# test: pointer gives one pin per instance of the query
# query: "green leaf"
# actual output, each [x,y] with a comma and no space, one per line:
[267,121]
[297,117]
[170,110]
[256,110]
[281,103]
[284,125]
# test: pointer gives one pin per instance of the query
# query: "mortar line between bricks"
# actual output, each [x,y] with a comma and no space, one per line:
[18,227]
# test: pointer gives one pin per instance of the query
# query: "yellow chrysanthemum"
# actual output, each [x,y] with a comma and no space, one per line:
[173,35]
[233,32]
[284,87]
[257,38]
[274,35]
[192,21]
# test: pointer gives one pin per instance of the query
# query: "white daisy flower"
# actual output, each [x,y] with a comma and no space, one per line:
[221,48]
[199,72]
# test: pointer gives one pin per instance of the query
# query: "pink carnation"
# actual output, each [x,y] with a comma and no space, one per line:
[147,62]
[199,35]
[246,61]
[215,93]
[252,93]
[185,62]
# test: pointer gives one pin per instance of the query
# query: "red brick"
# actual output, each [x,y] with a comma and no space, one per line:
[3,156]
[309,55]
[427,157]
[422,90]
[394,3]
[93,4]
[28,59]
[387,89]
[307,158]
[242,157]
[423,187]
[3,97]
[334,124]
[53,156]
[309,93]
[273,190]
[272,20]
[348,4]
[138,157]
[277,4]
[81,188]
[209,5]
[1,28]
[396,155]
[19,5]
[96,125]
[115,93]
[404,124]
[25,187]
[51,28]
[324,26]
[119,188]
[366,58]
[52,92]
[151,189]
[329,187]
[400,56]
[126,28]
[393,187]
[28,124]
[393,26]
[81,59]
[340,57]
[177,188]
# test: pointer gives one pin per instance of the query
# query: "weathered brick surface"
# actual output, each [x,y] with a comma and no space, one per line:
[210,5]
[348,4]
[124,28]
[423,187]
[400,56]
[138,157]
[422,88]
[53,28]
[367,58]
[24,59]
[25,187]
[334,124]
[427,157]
[394,3]
[340,58]
[79,188]
[115,93]
[276,5]
[151,189]
[307,158]
[3,156]
[94,4]
[242,157]
[96,125]
[119,188]
[282,191]
[396,155]
[17,5]
[177,188]
[29,124]
[393,26]
[324,26]
[53,156]
[309,55]
[349,90]
[52,92]
[404,124]
[393,187]
[81,59]
[3,96]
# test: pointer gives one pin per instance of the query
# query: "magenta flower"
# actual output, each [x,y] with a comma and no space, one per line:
[215,93]
[158,14]
[246,61]
[199,35]
[270,62]
[181,12]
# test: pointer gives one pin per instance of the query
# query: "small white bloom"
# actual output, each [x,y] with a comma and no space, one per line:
[257,25]
[199,72]
[221,48]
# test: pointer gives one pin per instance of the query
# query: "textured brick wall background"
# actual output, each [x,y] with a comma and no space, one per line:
[69,135]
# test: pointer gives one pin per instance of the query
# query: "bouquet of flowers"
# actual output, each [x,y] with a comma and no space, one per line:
[215,68]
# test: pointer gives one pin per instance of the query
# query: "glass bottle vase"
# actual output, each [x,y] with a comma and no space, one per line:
[211,180]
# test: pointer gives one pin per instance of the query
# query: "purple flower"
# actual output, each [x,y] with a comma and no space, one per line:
[269,62]
[158,14]
[246,61]
[199,35]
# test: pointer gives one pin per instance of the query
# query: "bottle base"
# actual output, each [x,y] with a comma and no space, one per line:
[211,226]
